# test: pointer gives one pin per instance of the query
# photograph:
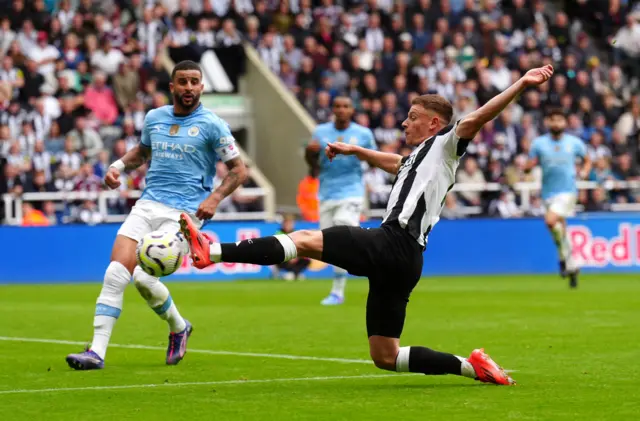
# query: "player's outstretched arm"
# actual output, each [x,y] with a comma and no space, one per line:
[235,177]
[389,162]
[130,161]
[472,123]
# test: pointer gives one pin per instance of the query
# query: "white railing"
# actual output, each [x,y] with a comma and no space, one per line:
[526,190]
[13,204]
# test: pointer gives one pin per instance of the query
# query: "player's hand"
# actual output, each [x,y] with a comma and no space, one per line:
[538,76]
[112,178]
[207,209]
[339,148]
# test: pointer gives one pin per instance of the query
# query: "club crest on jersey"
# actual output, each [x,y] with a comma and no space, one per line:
[174,129]
[557,148]
[193,131]
[339,139]
[353,141]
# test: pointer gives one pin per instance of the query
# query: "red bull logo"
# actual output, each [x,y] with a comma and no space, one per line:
[594,251]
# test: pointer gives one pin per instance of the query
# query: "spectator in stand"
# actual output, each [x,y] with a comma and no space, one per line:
[85,139]
[100,100]
[378,53]
[31,217]
[470,174]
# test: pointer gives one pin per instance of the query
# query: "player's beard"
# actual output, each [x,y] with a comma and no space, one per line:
[179,99]
[556,132]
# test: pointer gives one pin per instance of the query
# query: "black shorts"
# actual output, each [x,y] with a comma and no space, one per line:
[390,258]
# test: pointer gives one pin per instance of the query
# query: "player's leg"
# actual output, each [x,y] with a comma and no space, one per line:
[386,311]
[348,213]
[560,207]
[275,249]
[110,301]
[159,299]
[329,212]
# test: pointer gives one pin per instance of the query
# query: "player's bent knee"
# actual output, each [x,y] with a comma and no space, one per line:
[143,281]
[307,241]
[124,252]
[116,278]
[384,361]
[551,219]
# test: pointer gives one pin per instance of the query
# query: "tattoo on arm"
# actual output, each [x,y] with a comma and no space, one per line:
[136,157]
[235,177]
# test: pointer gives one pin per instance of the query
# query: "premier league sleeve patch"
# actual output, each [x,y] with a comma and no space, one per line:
[228,151]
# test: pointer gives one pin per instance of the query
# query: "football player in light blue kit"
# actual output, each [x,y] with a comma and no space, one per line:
[183,142]
[556,153]
[342,191]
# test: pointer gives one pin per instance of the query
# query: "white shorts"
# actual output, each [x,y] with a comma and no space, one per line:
[147,216]
[341,212]
[562,204]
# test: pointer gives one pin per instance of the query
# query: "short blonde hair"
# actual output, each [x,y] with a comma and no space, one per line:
[437,104]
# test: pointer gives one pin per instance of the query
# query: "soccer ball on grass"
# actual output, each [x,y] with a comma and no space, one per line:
[160,253]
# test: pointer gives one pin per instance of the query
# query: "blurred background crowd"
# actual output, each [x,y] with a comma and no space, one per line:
[78,76]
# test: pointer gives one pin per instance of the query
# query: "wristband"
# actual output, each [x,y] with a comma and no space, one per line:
[118,165]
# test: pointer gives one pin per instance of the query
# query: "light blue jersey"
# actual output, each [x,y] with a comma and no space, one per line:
[184,152]
[342,178]
[557,158]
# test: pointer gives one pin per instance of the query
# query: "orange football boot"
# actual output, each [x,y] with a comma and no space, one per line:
[487,370]
[198,243]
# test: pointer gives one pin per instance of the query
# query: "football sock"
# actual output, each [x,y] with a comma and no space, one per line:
[339,281]
[109,306]
[559,238]
[418,359]
[263,251]
[157,296]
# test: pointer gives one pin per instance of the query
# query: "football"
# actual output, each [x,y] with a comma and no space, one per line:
[160,253]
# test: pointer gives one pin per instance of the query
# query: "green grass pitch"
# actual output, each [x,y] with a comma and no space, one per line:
[574,353]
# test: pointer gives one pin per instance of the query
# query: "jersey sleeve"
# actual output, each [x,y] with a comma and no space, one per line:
[224,143]
[455,145]
[145,137]
[534,152]
[314,140]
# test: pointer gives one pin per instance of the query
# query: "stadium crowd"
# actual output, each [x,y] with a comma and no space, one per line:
[383,53]
[76,79]
[77,76]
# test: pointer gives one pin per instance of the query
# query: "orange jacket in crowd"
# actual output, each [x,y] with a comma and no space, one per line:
[307,198]
[35,218]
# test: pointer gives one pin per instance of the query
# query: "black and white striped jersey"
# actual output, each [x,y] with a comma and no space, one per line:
[423,181]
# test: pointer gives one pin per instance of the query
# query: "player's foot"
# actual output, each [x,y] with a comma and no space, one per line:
[563,269]
[289,276]
[87,360]
[178,345]
[487,370]
[332,300]
[198,242]
[573,279]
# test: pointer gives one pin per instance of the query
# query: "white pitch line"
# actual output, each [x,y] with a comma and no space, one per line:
[161,385]
[201,351]
[197,351]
